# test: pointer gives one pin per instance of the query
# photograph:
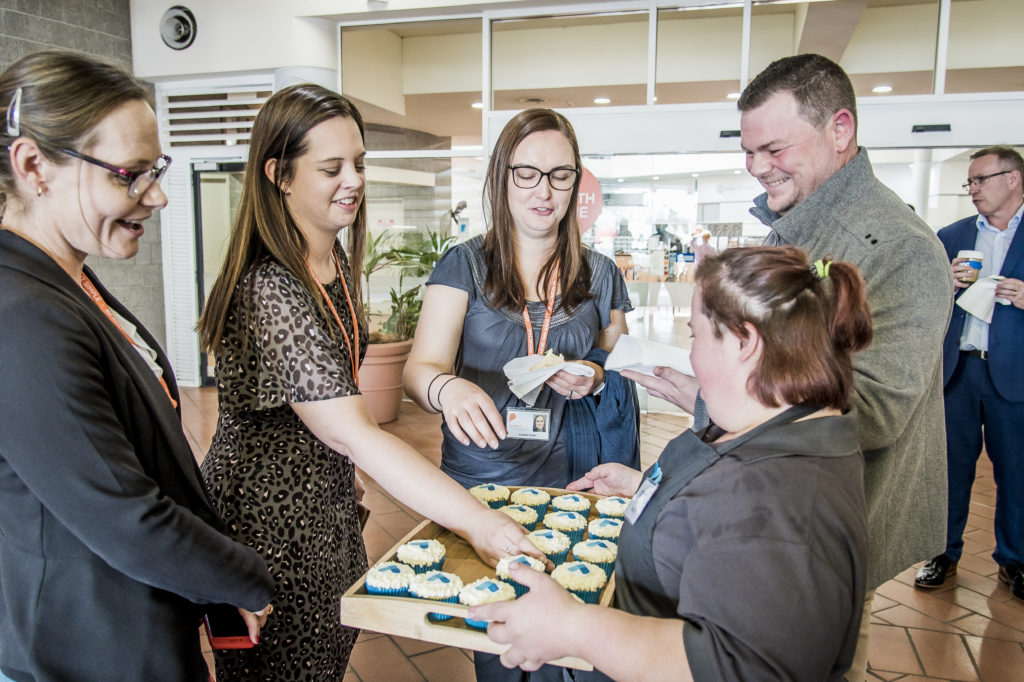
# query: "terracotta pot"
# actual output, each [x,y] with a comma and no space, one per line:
[380,378]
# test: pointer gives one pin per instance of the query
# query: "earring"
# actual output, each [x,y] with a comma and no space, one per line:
[39,190]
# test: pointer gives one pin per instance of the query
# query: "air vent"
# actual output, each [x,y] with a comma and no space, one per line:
[729,133]
[931,128]
[215,118]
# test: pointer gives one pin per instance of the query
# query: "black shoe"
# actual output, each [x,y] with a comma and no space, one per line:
[1013,577]
[934,572]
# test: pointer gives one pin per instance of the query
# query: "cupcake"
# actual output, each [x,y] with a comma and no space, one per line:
[570,523]
[553,543]
[601,553]
[532,497]
[493,495]
[583,579]
[422,555]
[612,507]
[503,573]
[390,578]
[485,591]
[521,514]
[605,529]
[437,586]
[573,503]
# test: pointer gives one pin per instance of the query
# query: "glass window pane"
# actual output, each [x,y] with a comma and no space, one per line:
[698,54]
[416,81]
[983,54]
[568,61]
[887,46]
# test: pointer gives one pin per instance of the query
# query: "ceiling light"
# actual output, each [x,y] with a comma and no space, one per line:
[477,105]
[602,100]
[881,89]
[621,180]
[737,172]
[656,177]
[694,175]
[733,95]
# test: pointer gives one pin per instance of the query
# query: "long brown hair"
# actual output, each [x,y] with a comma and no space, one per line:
[503,283]
[809,325]
[264,227]
[64,95]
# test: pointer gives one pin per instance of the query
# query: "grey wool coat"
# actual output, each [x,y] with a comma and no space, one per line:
[898,379]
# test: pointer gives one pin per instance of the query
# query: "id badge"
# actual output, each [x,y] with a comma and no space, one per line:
[528,423]
[643,495]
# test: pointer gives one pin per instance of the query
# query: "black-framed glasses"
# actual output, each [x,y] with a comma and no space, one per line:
[528,177]
[980,179]
[138,181]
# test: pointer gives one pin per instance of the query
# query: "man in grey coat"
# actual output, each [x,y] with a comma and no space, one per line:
[798,128]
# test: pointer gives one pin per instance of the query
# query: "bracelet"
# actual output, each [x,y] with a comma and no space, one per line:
[450,380]
[430,386]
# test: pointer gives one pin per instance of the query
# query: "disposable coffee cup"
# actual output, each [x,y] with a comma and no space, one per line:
[973,260]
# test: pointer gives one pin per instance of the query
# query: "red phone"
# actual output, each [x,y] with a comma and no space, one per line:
[225,628]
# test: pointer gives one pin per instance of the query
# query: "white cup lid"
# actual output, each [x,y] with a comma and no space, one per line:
[972,255]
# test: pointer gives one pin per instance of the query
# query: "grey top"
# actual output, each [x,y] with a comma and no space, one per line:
[763,555]
[492,337]
[898,379]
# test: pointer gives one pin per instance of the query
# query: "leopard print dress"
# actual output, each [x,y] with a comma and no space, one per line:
[278,488]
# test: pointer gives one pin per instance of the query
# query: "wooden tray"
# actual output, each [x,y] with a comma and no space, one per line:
[407,616]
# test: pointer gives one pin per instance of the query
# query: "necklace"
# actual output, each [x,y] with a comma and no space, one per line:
[352,347]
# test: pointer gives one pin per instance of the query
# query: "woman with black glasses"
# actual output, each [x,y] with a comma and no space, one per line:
[108,540]
[526,287]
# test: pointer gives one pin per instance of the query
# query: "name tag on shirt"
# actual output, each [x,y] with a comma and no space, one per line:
[528,423]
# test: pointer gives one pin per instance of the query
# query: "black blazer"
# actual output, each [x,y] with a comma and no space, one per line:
[107,536]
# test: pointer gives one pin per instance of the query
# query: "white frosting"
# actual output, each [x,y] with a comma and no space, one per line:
[612,506]
[502,568]
[485,591]
[488,492]
[604,528]
[549,541]
[520,513]
[596,551]
[579,575]
[565,520]
[531,496]
[573,502]
[389,575]
[421,552]
[435,585]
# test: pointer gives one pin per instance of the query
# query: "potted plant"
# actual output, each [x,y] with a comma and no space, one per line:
[381,372]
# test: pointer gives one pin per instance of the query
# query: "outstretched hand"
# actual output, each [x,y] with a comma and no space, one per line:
[668,384]
[609,479]
[496,536]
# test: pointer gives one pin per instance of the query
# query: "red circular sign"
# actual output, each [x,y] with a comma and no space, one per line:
[588,201]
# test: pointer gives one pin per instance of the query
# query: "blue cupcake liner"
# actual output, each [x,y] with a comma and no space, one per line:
[388,591]
[541,509]
[530,526]
[438,617]
[607,567]
[588,596]
[519,588]
[478,624]
[497,504]
[573,535]
[620,517]
[425,568]
[558,559]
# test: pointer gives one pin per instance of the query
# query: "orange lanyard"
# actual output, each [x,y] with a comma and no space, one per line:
[94,294]
[352,350]
[543,342]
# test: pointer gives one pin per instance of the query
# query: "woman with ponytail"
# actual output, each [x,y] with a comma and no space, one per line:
[743,555]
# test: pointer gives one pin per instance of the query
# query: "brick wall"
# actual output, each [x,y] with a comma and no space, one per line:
[100,28]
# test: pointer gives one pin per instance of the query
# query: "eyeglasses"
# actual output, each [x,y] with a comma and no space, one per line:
[528,177]
[977,181]
[138,181]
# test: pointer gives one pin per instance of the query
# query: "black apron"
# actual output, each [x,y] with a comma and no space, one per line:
[638,590]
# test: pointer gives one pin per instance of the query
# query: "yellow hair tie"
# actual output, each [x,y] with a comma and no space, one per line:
[821,268]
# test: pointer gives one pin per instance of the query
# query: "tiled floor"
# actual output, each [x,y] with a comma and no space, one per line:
[971,630]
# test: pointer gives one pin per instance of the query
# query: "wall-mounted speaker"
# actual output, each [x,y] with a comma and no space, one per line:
[178,27]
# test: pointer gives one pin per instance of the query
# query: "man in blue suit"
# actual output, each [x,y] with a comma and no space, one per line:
[983,368]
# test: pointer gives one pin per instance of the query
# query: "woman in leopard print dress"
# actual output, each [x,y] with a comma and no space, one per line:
[283,320]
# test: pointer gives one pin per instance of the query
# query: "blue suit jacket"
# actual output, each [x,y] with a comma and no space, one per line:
[1006,333]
